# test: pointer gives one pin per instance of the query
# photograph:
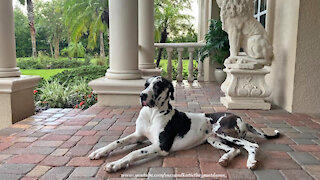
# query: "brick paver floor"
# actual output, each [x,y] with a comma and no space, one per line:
[55,144]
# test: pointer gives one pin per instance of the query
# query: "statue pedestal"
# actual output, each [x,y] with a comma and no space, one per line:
[245,89]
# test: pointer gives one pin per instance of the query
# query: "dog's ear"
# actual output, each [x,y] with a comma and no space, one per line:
[148,80]
[171,90]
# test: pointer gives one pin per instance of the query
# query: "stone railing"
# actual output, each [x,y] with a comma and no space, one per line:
[180,48]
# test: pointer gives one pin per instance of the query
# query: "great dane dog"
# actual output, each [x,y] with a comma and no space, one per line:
[171,130]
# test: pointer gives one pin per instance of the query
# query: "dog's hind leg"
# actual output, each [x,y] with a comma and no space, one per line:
[230,151]
[146,152]
[249,146]
[130,139]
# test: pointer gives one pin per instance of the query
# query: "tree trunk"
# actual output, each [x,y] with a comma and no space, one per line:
[32,28]
[56,48]
[164,35]
[51,49]
[102,53]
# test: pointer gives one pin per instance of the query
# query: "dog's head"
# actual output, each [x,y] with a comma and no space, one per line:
[157,92]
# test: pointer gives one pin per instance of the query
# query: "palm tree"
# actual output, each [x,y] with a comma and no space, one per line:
[87,16]
[31,25]
[168,19]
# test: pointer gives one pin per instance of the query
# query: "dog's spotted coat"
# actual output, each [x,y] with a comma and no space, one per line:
[171,130]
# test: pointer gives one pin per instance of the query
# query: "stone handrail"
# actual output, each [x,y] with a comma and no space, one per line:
[180,47]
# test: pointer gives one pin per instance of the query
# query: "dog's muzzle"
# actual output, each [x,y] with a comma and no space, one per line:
[143,99]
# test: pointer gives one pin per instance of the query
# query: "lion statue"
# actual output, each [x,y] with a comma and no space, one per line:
[245,32]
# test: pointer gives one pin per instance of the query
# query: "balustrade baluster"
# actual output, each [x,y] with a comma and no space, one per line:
[169,66]
[200,76]
[190,66]
[179,68]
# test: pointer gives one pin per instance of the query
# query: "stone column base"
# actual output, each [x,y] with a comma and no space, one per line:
[151,72]
[117,92]
[245,89]
[16,99]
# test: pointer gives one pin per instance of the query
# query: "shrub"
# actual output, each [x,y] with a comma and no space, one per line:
[32,63]
[87,73]
[56,95]
[45,62]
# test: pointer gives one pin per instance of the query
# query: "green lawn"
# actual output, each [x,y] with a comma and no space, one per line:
[44,73]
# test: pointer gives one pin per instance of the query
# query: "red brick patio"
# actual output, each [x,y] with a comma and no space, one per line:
[55,143]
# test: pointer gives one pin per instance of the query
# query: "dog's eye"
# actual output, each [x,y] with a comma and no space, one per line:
[146,85]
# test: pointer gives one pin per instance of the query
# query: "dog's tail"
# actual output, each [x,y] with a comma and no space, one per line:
[261,134]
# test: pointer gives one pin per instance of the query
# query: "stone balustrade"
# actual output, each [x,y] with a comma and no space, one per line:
[180,48]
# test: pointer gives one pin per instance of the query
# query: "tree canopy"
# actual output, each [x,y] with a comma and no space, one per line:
[62,23]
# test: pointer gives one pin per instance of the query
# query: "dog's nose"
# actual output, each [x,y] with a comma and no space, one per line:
[143,96]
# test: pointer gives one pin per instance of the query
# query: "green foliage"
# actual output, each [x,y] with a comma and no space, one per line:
[56,95]
[217,43]
[87,73]
[22,34]
[69,88]
[74,50]
[168,16]
[85,17]
[49,18]
[45,62]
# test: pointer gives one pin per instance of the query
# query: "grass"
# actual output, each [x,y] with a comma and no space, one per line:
[44,73]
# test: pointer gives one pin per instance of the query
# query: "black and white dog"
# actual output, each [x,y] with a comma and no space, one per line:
[171,130]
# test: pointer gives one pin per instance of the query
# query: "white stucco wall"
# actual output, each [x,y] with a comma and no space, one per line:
[284,30]
[306,92]
[295,74]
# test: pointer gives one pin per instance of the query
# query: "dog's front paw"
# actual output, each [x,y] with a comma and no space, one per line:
[223,162]
[113,166]
[97,154]
[252,164]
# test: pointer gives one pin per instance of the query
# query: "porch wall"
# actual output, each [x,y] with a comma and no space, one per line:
[295,71]
[306,93]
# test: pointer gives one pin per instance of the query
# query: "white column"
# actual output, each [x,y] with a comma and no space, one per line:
[146,34]
[123,40]
[16,92]
[123,83]
[7,41]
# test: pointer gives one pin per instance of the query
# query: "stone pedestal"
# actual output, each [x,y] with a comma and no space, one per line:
[117,92]
[16,99]
[245,89]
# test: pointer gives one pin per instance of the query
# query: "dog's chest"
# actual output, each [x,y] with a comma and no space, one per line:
[151,125]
